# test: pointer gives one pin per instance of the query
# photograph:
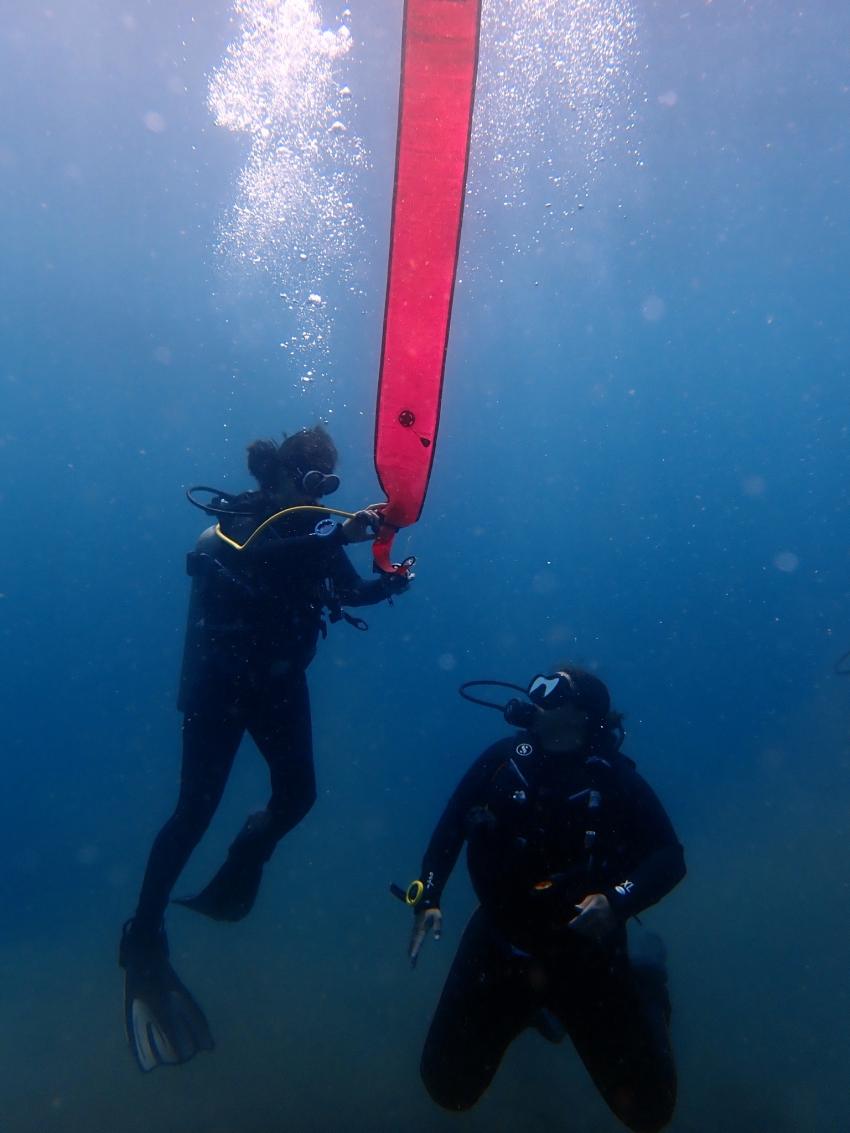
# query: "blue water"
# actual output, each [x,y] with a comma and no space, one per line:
[642,466]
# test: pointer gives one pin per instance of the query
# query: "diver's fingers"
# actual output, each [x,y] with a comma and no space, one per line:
[368,520]
[592,921]
[436,922]
[431,920]
[580,920]
[361,526]
[416,938]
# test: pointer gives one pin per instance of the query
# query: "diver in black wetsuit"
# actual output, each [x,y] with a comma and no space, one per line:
[565,842]
[255,617]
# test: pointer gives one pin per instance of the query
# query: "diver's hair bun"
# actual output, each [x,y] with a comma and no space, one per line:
[308,448]
[263,462]
[305,450]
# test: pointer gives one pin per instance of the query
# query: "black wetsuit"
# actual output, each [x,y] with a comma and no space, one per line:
[254,621]
[544,831]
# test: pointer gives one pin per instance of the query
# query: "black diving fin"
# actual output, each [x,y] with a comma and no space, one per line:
[165,1026]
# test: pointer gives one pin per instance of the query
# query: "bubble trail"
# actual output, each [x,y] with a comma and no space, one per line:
[554,95]
[280,83]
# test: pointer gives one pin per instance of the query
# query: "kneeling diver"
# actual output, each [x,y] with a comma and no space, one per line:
[565,842]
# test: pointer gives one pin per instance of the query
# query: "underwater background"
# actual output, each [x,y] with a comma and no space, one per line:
[642,466]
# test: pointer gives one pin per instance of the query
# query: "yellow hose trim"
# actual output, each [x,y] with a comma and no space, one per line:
[414,894]
[277,515]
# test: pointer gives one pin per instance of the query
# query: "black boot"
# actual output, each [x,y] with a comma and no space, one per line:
[231,894]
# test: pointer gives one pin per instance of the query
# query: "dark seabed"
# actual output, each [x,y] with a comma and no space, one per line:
[642,465]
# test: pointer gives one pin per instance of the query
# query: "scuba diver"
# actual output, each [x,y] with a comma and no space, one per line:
[565,842]
[260,590]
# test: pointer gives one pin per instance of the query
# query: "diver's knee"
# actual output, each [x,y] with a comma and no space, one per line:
[189,823]
[449,1094]
[287,813]
[308,801]
[452,1082]
[644,1123]
[643,1115]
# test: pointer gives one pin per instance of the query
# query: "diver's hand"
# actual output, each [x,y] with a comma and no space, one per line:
[396,583]
[425,921]
[595,919]
[362,526]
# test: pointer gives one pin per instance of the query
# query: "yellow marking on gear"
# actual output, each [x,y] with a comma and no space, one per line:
[277,515]
[414,893]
